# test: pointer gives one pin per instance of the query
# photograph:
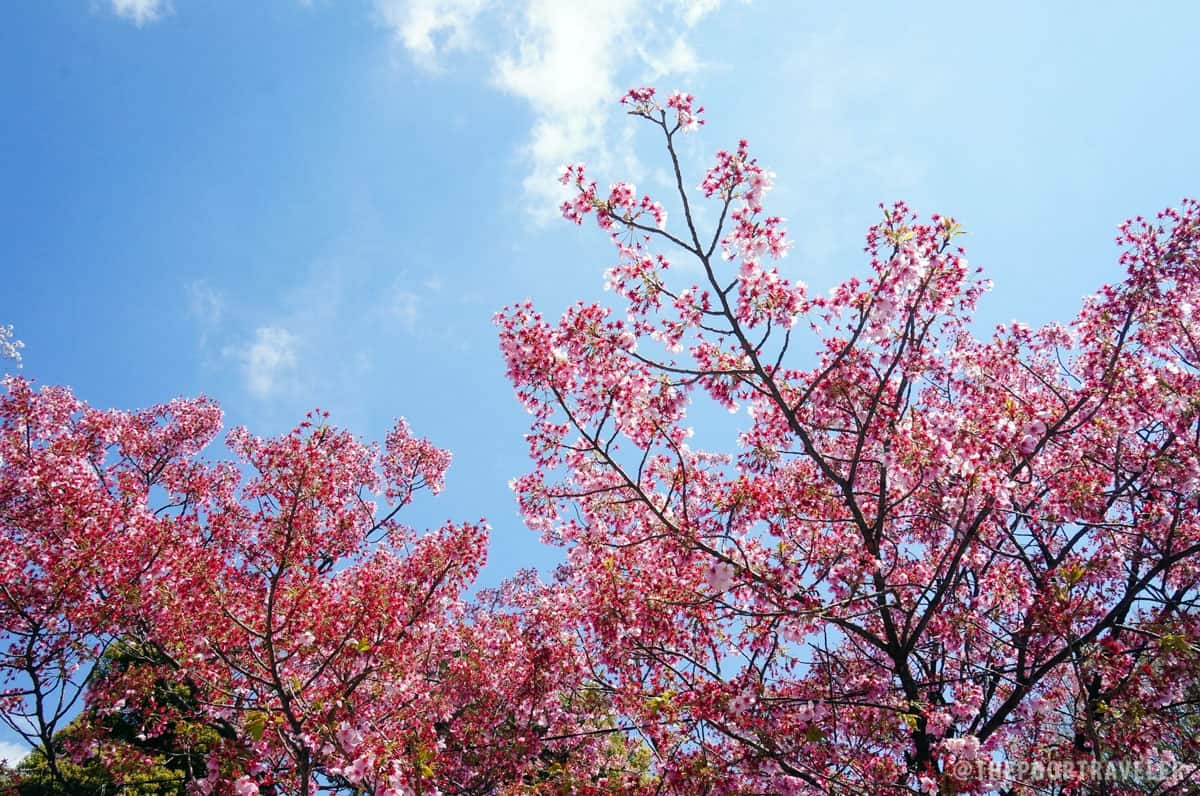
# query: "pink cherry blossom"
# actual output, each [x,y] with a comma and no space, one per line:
[925,547]
[245,787]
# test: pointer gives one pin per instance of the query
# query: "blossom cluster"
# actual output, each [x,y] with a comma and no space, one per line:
[926,550]
[10,348]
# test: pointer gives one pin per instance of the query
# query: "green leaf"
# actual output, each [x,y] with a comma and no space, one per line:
[256,724]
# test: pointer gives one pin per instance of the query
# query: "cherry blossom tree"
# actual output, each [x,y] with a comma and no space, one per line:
[264,624]
[920,551]
[78,539]
[336,641]
[918,554]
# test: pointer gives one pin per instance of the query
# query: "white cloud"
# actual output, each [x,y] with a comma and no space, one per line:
[12,753]
[314,341]
[424,27]
[267,360]
[696,10]
[566,60]
[565,68]
[678,59]
[139,12]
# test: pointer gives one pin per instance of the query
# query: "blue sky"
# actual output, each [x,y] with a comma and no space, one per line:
[287,204]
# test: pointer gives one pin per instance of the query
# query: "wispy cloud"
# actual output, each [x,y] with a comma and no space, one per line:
[317,338]
[267,360]
[206,306]
[403,306]
[204,303]
[565,60]
[140,12]
[428,27]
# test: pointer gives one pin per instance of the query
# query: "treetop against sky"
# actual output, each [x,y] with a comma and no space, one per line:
[292,204]
[285,205]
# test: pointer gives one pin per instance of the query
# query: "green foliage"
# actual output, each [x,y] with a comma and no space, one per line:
[143,754]
[33,776]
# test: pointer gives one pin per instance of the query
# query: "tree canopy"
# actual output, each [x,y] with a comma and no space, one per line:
[924,562]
